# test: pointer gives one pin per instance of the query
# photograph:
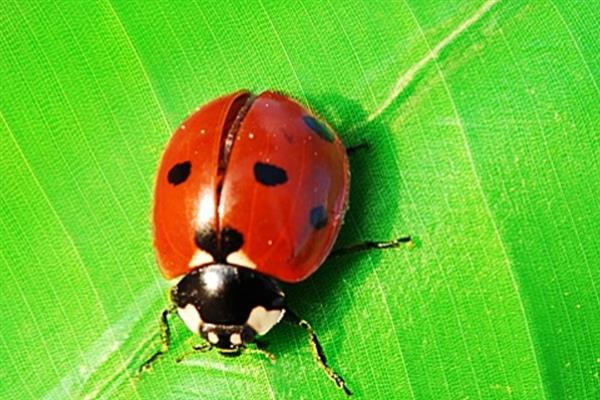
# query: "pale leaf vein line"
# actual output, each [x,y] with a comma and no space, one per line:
[407,77]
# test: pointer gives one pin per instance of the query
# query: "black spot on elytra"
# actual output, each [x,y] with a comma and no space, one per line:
[206,239]
[318,217]
[179,173]
[231,241]
[219,248]
[269,175]
[319,128]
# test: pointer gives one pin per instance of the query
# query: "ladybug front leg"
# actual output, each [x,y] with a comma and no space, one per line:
[317,350]
[370,245]
[165,338]
[259,350]
[202,348]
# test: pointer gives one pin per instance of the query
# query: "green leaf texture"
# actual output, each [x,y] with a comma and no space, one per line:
[484,124]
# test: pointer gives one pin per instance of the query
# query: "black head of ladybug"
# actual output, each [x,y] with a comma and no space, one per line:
[228,305]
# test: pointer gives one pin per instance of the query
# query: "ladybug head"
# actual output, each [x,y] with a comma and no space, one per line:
[228,305]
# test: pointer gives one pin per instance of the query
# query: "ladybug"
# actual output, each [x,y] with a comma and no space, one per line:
[251,191]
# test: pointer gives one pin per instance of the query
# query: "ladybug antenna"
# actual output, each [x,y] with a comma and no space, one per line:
[317,350]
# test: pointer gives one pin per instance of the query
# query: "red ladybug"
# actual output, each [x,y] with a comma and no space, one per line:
[251,190]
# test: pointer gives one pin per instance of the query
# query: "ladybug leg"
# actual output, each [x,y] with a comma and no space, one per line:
[363,145]
[165,338]
[259,350]
[369,245]
[317,350]
[203,348]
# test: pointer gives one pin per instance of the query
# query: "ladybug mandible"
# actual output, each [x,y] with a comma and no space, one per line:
[251,190]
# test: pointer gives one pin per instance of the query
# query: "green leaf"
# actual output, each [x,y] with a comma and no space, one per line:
[483,119]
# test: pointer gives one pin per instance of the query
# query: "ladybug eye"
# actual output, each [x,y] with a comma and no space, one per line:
[179,173]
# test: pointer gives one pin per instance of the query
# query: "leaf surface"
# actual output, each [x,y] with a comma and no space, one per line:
[483,120]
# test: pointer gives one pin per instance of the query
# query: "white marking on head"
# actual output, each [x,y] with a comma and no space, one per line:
[240,258]
[191,317]
[262,320]
[212,337]
[235,339]
[199,258]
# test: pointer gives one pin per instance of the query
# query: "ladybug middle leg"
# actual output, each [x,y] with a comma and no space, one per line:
[370,245]
[165,338]
[317,350]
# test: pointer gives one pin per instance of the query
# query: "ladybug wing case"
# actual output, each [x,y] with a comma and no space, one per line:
[285,189]
[187,185]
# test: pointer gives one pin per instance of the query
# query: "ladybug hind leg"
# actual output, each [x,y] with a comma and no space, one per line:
[362,145]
